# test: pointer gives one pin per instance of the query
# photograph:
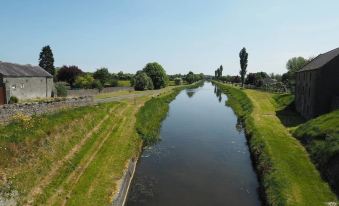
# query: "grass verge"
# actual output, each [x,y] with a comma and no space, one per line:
[286,173]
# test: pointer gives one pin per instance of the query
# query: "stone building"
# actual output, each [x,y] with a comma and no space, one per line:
[24,82]
[317,85]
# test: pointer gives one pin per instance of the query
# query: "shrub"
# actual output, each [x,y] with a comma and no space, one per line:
[142,81]
[13,100]
[61,90]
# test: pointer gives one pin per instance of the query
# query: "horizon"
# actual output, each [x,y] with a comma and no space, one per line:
[192,36]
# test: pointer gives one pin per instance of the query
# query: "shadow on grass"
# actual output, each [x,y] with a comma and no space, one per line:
[289,117]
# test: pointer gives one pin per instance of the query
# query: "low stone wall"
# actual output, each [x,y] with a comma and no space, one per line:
[124,184]
[92,92]
[37,108]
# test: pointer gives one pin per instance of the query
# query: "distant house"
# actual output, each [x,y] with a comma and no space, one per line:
[24,82]
[317,85]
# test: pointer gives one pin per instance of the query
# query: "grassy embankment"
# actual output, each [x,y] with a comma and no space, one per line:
[150,116]
[286,173]
[73,157]
[321,139]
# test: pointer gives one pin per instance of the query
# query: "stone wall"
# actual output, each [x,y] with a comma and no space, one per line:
[37,108]
[92,92]
[124,183]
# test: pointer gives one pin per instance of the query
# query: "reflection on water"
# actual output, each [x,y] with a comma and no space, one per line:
[203,157]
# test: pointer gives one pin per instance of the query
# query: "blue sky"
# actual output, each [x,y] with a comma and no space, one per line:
[181,35]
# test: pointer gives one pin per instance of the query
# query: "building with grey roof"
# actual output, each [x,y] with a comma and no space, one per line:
[317,85]
[24,82]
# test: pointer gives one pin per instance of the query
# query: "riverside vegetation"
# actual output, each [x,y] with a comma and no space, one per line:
[286,173]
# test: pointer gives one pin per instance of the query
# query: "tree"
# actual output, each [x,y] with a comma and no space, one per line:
[250,79]
[243,64]
[293,65]
[69,74]
[142,81]
[158,75]
[102,75]
[220,71]
[190,77]
[46,60]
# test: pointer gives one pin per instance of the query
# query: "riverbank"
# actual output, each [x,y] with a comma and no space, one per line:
[286,173]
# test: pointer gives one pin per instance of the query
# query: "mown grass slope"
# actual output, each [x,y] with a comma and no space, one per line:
[321,139]
[48,159]
[287,175]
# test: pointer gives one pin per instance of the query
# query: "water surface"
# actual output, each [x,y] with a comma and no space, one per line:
[202,158]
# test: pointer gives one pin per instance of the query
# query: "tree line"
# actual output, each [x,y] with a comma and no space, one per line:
[260,79]
[152,76]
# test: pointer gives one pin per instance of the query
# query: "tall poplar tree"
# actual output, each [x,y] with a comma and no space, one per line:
[243,64]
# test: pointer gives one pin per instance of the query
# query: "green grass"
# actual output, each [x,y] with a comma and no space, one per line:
[115,94]
[30,150]
[150,116]
[286,173]
[124,83]
[321,139]
[281,101]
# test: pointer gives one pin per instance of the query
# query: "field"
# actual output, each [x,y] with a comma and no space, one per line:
[287,174]
[124,83]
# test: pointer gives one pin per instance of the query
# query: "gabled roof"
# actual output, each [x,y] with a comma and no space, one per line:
[321,60]
[17,70]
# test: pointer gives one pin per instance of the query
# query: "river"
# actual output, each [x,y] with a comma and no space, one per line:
[202,158]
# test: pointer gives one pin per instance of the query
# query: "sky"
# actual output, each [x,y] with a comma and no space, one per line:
[181,35]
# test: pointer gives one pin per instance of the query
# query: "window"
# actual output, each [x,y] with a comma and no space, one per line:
[310,76]
[22,86]
[13,86]
[309,92]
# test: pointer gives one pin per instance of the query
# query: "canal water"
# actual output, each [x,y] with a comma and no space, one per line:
[202,158]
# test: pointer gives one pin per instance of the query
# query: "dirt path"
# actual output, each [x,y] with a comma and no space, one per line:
[131,96]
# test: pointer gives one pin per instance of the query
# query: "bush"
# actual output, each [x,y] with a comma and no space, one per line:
[13,100]
[178,81]
[61,90]
[142,81]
